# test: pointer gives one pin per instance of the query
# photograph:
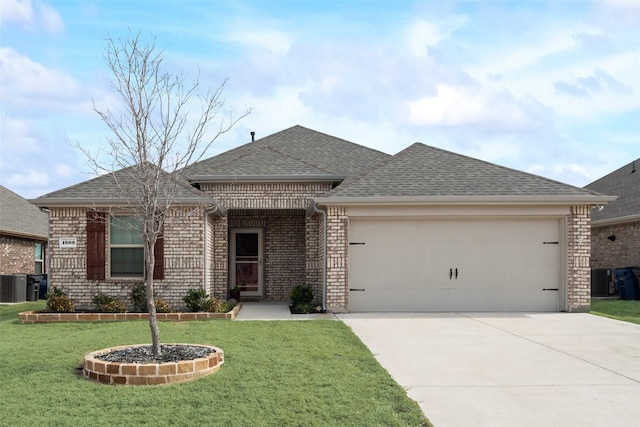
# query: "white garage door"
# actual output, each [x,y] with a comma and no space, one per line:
[420,265]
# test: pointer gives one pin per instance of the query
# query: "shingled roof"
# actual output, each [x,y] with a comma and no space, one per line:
[624,183]
[296,152]
[422,171]
[20,218]
[113,189]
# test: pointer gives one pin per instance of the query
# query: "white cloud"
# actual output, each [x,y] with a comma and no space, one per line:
[23,13]
[31,87]
[270,39]
[463,106]
[20,12]
[421,35]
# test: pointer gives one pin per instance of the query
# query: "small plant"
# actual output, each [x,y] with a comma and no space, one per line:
[196,300]
[139,298]
[303,308]
[108,304]
[59,302]
[162,306]
[301,295]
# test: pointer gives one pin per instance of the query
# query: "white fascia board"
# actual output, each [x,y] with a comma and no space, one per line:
[615,221]
[466,200]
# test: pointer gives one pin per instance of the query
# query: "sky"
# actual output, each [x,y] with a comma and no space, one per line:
[551,88]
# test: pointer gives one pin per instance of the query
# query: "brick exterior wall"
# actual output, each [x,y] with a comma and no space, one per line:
[578,254]
[266,195]
[314,243]
[624,251]
[17,255]
[183,258]
[337,259]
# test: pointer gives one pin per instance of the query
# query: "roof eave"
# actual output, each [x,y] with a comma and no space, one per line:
[20,234]
[265,178]
[467,200]
[109,202]
[616,221]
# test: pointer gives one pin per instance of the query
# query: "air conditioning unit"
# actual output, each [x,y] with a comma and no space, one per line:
[13,287]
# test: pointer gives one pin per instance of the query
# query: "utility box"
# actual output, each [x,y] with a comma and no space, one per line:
[13,287]
[600,279]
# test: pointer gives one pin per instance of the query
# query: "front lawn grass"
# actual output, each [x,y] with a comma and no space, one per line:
[626,310]
[276,373]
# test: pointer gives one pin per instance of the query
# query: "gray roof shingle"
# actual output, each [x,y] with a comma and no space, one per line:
[623,183]
[19,217]
[115,187]
[296,151]
[425,171]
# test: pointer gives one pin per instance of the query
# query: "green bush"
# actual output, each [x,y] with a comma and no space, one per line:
[108,304]
[301,295]
[139,298]
[196,300]
[58,301]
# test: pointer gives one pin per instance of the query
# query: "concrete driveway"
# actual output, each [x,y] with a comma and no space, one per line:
[498,369]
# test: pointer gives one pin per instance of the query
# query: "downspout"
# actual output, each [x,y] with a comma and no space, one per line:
[324,257]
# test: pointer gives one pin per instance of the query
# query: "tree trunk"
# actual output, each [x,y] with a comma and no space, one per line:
[151,303]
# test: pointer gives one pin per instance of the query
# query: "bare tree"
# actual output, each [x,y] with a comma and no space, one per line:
[155,136]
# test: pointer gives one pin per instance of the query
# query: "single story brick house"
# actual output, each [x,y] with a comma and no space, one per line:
[24,232]
[423,230]
[615,237]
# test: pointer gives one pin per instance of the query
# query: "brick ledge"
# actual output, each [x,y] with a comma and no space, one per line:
[29,317]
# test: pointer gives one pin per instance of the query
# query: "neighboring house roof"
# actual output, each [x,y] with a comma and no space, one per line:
[422,172]
[295,152]
[114,189]
[624,183]
[20,218]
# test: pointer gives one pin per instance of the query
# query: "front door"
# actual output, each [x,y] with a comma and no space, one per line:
[246,260]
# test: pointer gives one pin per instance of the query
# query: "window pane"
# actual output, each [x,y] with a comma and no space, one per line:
[38,269]
[126,230]
[246,245]
[127,262]
[38,249]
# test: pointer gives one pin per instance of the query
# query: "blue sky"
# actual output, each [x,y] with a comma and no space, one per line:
[551,88]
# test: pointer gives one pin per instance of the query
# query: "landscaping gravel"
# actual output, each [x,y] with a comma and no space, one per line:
[168,353]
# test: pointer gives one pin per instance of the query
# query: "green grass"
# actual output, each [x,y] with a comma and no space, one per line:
[277,373]
[626,310]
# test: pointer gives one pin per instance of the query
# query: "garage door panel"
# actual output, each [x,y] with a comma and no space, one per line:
[502,265]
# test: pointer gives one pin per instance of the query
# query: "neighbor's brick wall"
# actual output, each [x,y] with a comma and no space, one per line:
[623,252]
[337,258]
[284,247]
[17,255]
[266,195]
[183,258]
[579,251]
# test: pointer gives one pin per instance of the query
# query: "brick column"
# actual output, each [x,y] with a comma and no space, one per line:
[579,252]
[220,258]
[337,259]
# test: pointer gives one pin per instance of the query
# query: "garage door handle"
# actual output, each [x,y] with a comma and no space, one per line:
[456,274]
[356,289]
[450,273]
[550,289]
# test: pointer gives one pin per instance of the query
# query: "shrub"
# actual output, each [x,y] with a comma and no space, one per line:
[162,306]
[108,304]
[303,308]
[58,301]
[139,298]
[196,300]
[301,295]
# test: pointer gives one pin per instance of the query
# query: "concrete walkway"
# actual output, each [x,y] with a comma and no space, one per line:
[275,310]
[500,369]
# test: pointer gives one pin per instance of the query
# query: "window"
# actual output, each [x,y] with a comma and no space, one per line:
[39,252]
[126,246]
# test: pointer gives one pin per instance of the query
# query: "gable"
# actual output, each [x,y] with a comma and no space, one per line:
[296,151]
